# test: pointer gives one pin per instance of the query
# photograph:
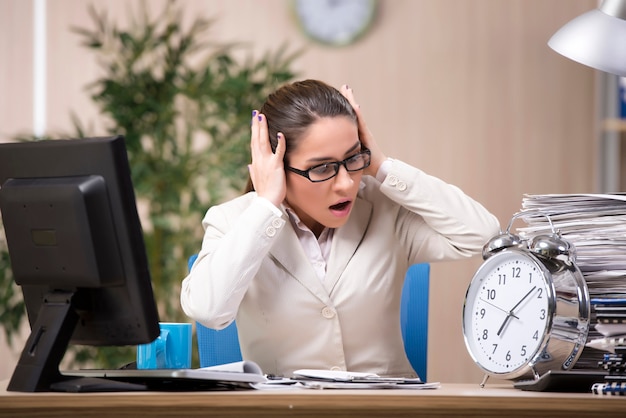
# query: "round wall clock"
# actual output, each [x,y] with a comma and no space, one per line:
[334,22]
[527,307]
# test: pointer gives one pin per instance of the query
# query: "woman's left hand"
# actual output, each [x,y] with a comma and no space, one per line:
[366,137]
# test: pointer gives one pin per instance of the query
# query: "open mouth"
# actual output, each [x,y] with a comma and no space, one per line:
[340,206]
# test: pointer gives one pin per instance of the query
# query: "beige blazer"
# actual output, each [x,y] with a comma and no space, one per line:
[252,267]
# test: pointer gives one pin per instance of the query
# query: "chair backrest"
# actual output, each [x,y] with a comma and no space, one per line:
[222,346]
[414,317]
[216,346]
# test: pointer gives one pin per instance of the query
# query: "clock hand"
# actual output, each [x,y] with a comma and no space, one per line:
[522,300]
[506,321]
[511,314]
[495,306]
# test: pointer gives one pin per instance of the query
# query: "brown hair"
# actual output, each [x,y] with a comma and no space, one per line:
[294,107]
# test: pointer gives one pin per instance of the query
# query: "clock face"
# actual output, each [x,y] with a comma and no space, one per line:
[507,312]
[334,22]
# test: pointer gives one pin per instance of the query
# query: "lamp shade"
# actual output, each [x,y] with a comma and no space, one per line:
[596,39]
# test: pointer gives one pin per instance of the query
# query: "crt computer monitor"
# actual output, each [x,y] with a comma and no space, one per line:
[77,252]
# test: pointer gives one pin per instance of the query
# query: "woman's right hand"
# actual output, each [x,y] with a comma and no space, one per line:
[267,170]
[364,134]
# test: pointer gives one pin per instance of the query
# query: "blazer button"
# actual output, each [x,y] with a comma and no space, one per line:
[270,231]
[328,313]
[401,186]
[393,180]
[277,223]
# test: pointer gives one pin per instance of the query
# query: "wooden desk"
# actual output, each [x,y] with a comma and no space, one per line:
[450,400]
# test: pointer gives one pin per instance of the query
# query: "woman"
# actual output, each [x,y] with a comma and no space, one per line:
[312,263]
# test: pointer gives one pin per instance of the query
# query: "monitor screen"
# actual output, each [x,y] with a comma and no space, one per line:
[76,248]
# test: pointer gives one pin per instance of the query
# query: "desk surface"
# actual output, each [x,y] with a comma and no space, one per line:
[467,400]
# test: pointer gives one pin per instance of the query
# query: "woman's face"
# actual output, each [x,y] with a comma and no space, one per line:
[327,203]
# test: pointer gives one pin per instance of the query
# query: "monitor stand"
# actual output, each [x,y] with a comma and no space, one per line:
[38,367]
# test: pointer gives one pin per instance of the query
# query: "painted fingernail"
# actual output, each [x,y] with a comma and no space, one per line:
[260,118]
[253,113]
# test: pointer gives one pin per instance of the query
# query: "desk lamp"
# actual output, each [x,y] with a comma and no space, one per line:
[596,38]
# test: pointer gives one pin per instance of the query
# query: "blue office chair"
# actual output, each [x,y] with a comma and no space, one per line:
[216,346]
[222,346]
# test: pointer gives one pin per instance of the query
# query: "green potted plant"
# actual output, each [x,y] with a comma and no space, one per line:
[183,104]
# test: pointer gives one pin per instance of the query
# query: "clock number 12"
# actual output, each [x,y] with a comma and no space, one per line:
[515,273]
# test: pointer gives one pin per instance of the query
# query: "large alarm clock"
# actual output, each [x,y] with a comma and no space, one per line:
[526,310]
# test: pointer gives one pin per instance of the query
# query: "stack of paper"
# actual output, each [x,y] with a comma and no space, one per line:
[615,366]
[337,379]
[595,224]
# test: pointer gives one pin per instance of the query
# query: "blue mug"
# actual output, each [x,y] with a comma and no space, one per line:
[170,350]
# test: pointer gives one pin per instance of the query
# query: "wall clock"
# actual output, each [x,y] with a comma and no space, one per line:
[334,22]
[527,308]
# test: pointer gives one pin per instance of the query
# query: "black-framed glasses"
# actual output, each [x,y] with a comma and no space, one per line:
[327,171]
